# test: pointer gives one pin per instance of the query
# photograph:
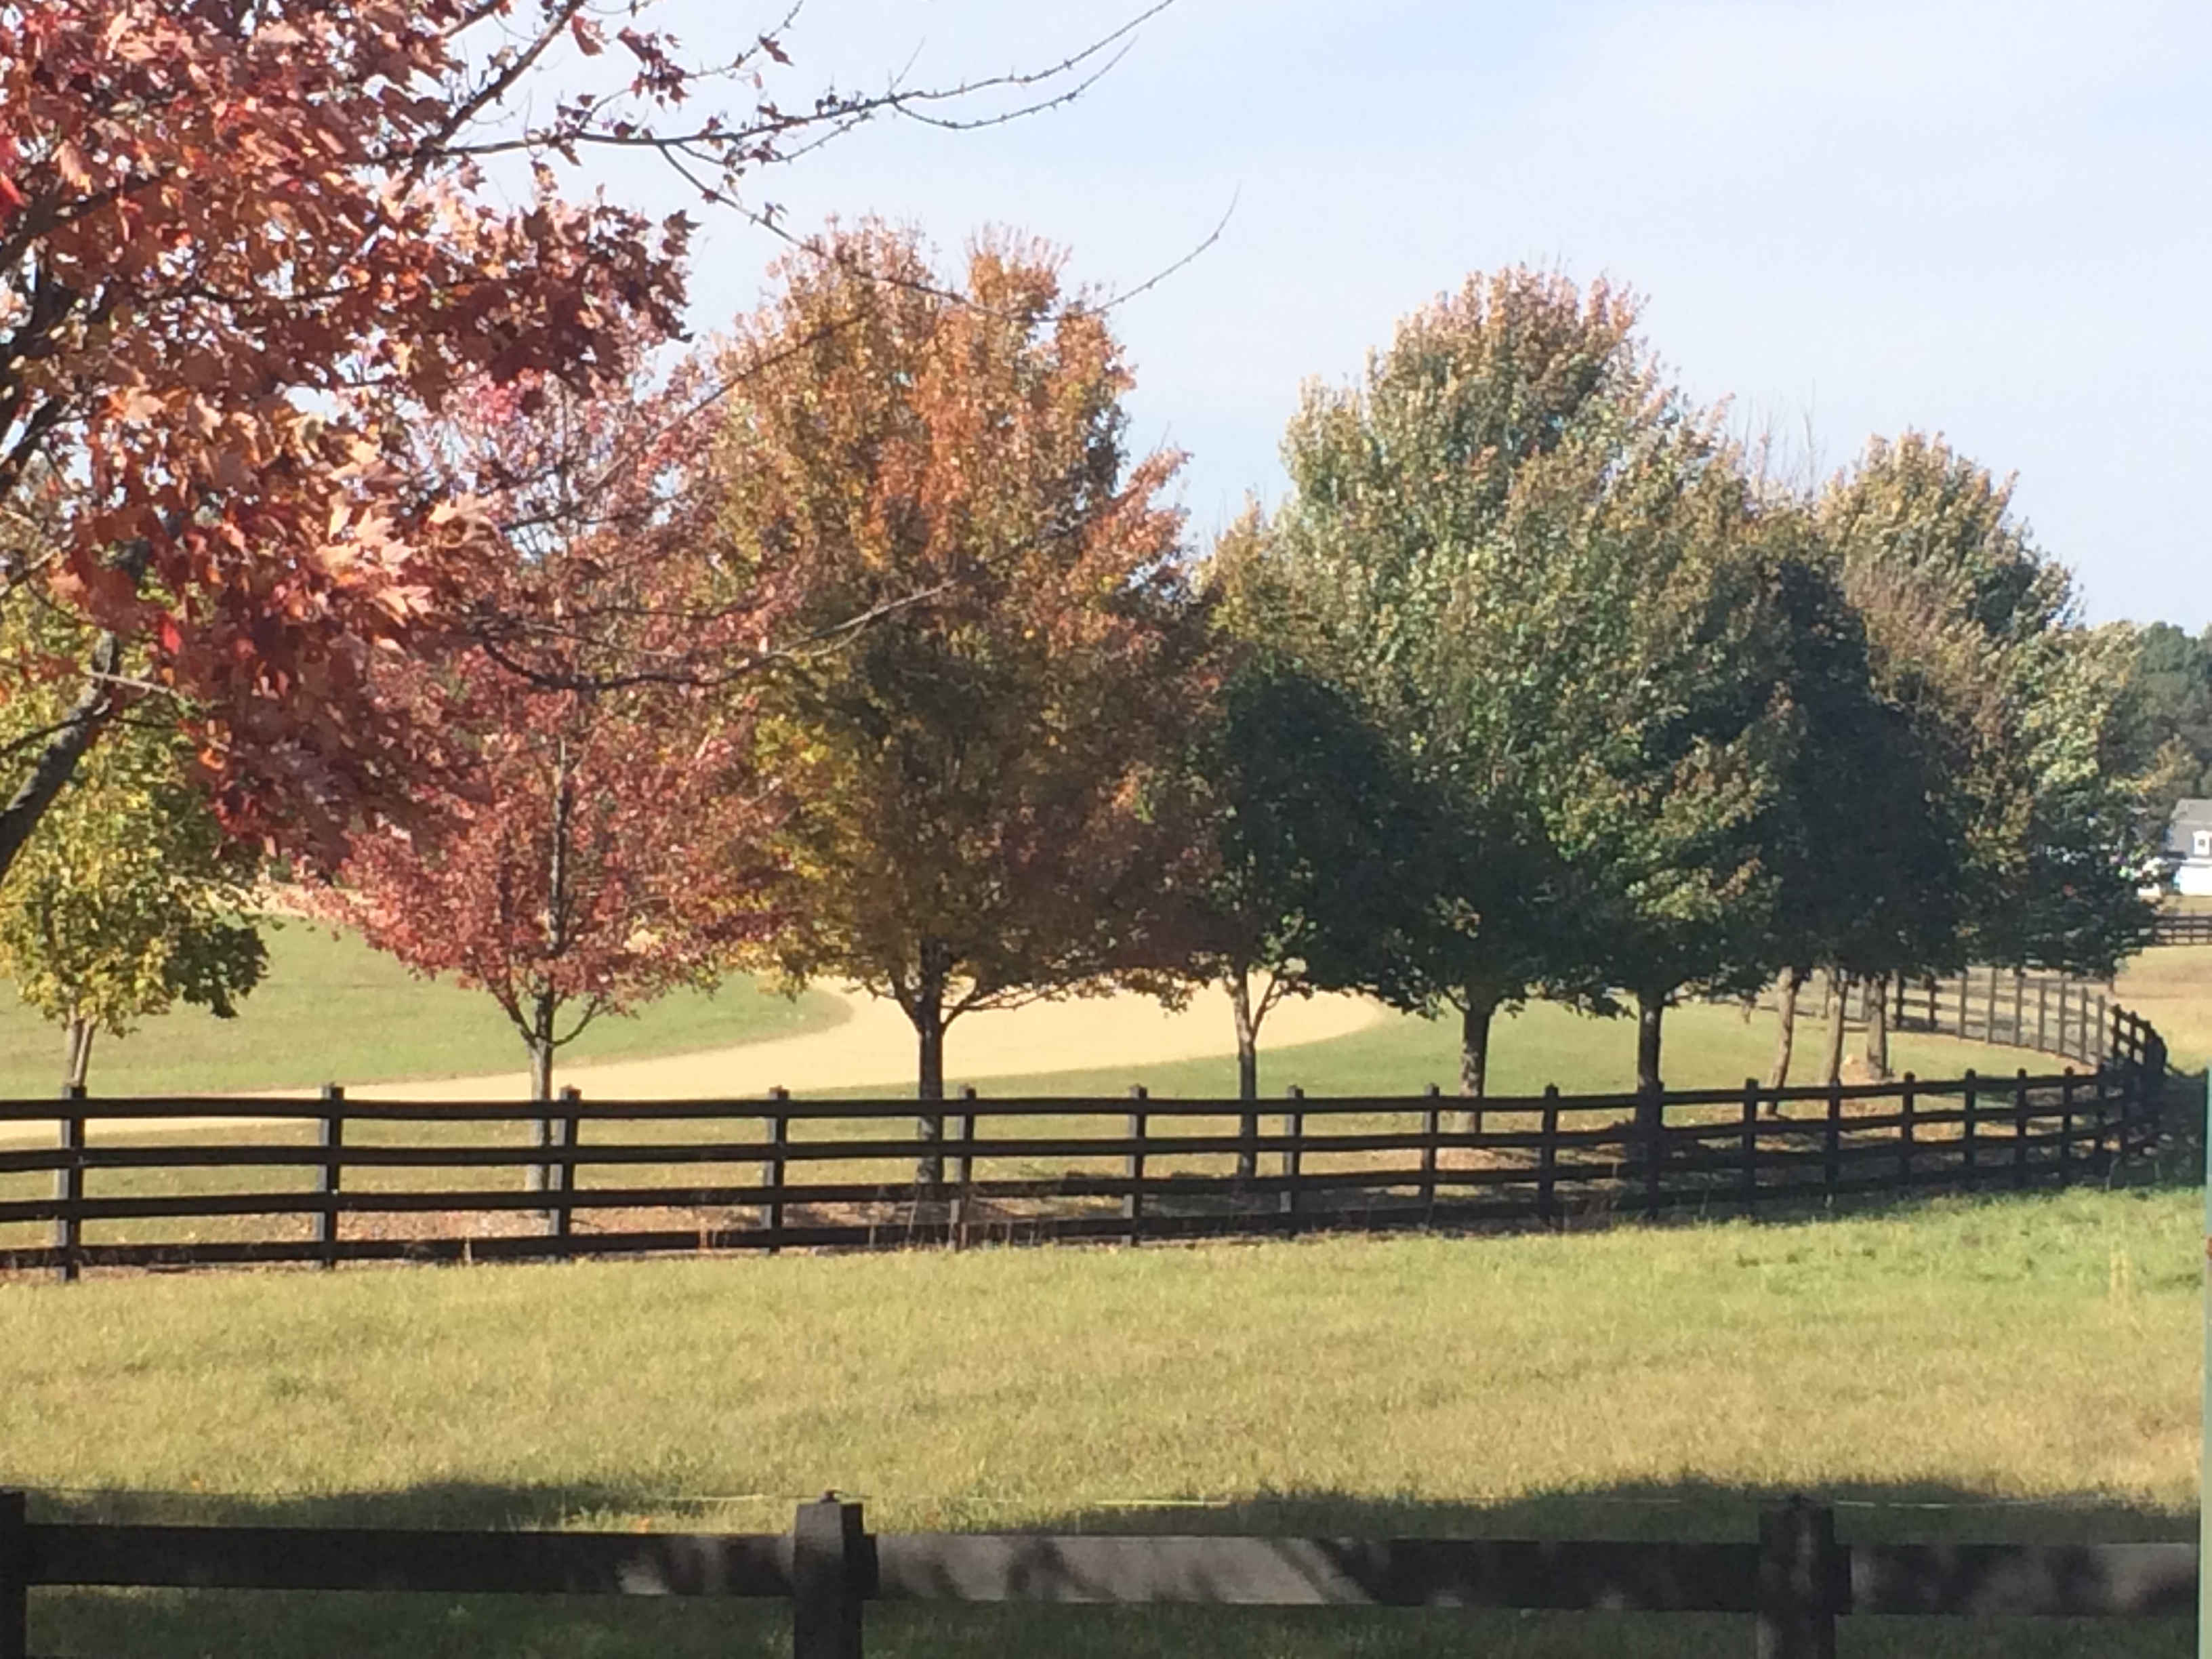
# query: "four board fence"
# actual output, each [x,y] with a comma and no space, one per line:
[2191,929]
[331,1181]
[1795,1582]
[2051,1013]
[328,1180]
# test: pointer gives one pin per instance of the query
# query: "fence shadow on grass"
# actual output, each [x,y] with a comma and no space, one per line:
[283,1625]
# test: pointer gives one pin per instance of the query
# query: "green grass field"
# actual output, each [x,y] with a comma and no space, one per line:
[1996,1368]
[1988,1369]
[1707,1047]
[332,1010]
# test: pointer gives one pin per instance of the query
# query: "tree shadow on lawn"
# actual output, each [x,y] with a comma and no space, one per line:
[141,1624]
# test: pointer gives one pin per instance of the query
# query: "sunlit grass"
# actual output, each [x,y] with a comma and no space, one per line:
[2034,1360]
[332,1010]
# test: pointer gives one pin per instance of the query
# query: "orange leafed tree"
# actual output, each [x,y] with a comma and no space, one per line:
[977,777]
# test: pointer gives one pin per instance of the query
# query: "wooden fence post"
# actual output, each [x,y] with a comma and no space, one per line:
[1294,1159]
[1132,1201]
[1432,1120]
[15,1577]
[1547,1159]
[566,1128]
[1796,1581]
[68,1188]
[830,1579]
[2020,1129]
[1750,1177]
[2127,1082]
[1968,1103]
[1907,1105]
[332,1138]
[2066,1126]
[1651,1111]
[963,1166]
[772,1169]
[1832,1142]
[2019,1004]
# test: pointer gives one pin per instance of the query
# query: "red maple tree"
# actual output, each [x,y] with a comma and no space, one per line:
[245,245]
[596,837]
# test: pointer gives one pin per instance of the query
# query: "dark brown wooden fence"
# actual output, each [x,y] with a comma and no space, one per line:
[2195,929]
[330,1181]
[2071,1018]
[1795,1582]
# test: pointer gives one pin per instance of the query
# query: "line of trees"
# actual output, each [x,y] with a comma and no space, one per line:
[343,517]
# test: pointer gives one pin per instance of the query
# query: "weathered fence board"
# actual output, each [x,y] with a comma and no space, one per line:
[1795,1583]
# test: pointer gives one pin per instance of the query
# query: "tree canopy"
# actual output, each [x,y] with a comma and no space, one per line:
[977,776]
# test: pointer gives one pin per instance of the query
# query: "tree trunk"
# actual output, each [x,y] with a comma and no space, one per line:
[1248,1065]
[1651,1006]
[77,1050]
[1478,1008]
[56,763]
[928,1014]
[1786,986]
[1839,997]
[1650,1087]
[1248,1033]
[1877,1028]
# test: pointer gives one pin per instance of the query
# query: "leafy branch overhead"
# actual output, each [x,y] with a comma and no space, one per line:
[246,249]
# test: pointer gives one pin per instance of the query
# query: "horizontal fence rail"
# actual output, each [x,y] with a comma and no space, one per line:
[2069,1018]
[2182,929]
[330,1181]
[1795,1583]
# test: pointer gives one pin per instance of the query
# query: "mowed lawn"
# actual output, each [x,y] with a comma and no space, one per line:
[1706,1047]
[331,1010]
[1991,1369]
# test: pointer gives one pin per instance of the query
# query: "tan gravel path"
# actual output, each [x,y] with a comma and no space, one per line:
[874,1045]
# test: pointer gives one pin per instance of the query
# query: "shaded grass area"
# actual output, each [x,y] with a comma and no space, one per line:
[332,1010]
[2171,986]
[1994,1368]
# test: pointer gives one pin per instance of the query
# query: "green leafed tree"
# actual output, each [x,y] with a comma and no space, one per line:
[1668,745]
[1864,864]
[1973,632]
[2169,717]
[1537,571]
[1405,578]
[128,898]
[979,775]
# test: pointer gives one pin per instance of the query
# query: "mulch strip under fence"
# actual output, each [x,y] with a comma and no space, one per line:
[331,1181]
[1795,1581]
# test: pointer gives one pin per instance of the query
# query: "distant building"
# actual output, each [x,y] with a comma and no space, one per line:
[2189,847]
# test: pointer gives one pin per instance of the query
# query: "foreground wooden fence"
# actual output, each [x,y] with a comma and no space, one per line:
[1795,1582]
[330,1181]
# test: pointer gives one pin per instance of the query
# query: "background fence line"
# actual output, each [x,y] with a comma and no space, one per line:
[2191,929]
[2051,1013]
[335,1181]
[1796,1581]
[329,1180]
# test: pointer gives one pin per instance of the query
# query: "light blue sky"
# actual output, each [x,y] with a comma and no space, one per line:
[1985,217]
